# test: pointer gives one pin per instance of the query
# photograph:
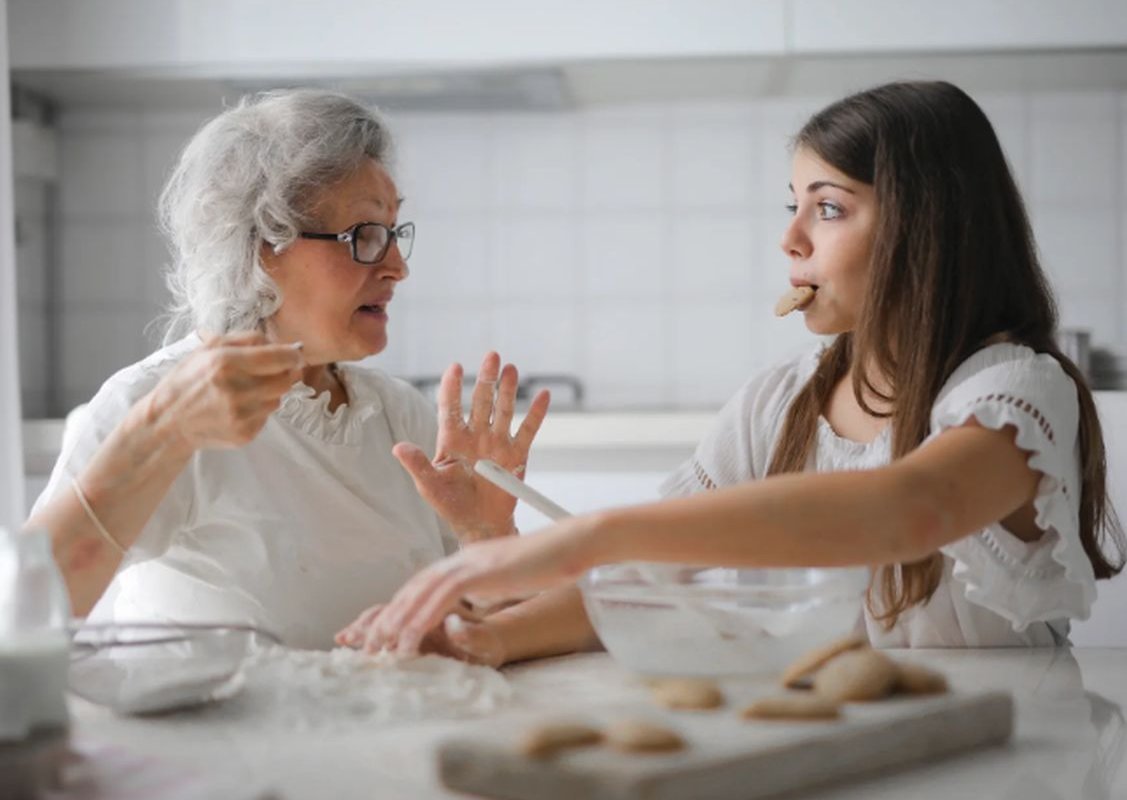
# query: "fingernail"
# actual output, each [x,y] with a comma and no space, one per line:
[297,345]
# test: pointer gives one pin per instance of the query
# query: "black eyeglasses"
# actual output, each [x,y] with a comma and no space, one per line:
[370,241]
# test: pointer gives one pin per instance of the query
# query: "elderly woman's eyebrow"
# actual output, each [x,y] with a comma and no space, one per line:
[358,204]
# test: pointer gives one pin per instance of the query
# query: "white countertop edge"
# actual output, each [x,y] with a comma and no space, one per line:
[560,429]
[562,432]
[624,429]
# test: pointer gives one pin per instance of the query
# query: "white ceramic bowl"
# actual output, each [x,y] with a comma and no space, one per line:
[662,619]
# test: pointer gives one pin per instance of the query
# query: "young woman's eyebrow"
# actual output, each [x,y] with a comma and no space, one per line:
[816,185]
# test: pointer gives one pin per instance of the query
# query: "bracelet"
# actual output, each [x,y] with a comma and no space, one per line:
[94,517]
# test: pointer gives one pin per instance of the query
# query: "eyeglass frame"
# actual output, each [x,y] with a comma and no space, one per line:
[349,235]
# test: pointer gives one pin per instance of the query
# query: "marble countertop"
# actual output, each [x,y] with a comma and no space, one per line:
[1069,742]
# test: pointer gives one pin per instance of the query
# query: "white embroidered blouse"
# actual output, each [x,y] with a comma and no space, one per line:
[298,531]
[996,589]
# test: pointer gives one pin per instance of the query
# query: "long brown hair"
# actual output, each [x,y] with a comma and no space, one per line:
[954,266]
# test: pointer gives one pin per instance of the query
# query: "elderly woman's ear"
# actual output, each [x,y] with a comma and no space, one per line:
[268,255]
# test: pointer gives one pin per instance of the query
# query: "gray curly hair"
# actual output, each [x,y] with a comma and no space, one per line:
[252,174]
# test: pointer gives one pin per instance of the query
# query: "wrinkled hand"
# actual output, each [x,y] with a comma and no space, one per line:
[464,634]
[482,571]
[222,394]
[475,508]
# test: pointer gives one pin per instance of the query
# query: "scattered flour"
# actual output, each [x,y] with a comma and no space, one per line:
[314,689]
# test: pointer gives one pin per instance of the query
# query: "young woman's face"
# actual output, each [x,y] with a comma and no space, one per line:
[829,241]
[333,304]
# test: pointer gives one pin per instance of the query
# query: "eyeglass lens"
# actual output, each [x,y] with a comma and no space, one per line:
[372,242]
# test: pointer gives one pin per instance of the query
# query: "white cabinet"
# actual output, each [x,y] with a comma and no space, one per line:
[288,38]
[896,26]
[295,37]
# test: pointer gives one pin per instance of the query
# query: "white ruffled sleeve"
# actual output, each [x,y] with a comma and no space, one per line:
[1024,582]
[737,447]
[93,425]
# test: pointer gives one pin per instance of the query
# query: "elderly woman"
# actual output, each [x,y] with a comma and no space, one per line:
[245,471]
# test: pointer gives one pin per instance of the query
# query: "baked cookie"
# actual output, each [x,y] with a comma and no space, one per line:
[641,736]
[793,706]
[796,674]
[798,297]
[691,694]
[544,741]
[856,676]
[918,679]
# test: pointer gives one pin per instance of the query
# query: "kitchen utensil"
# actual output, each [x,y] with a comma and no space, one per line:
[149,667]
[756,620]
[503,479]
[775,616]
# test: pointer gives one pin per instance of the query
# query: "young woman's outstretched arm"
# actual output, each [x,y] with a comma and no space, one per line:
[963,480]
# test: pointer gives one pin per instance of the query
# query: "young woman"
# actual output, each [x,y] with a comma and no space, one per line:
[942,438]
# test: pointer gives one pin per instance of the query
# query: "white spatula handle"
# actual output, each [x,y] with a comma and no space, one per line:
[504,479]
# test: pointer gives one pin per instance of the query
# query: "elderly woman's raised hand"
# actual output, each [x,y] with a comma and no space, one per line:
[475,508]
[222,394]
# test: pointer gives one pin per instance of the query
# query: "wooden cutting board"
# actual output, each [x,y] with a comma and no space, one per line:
[727,756]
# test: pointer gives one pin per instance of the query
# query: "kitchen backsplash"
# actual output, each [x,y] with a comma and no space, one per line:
[634,247]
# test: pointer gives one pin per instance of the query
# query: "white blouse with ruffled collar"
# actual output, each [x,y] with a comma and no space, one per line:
[996,590]
[298,531]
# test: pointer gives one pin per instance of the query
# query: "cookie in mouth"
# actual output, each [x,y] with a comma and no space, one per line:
[794,300]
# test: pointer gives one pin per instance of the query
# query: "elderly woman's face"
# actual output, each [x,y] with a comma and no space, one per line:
[336,306]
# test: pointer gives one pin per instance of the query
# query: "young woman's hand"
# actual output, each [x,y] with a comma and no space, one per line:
[475,508]
[222,394]
[483,571]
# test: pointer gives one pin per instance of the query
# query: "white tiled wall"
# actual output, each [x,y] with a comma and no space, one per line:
[634,246]
[33,289]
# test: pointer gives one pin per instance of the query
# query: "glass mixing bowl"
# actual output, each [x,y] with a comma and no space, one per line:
[663,619]
[149,667]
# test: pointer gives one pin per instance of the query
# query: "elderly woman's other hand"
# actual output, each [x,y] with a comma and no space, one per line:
[475,508]
[222,394]
[464,634]
[479,573]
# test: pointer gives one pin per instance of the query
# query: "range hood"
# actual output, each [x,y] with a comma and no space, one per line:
[512,54]
[597,83]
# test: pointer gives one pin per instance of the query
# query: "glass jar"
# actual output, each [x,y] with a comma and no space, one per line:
[34,642]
